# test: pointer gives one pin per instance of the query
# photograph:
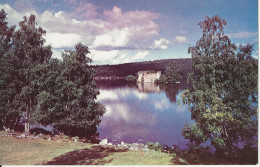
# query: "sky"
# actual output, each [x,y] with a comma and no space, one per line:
[122,31]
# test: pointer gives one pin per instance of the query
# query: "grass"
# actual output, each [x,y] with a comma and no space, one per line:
[38,151]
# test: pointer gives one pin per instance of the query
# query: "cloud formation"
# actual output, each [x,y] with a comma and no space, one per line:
[161,44]
[180,39]
[105,33]
[117,56]
[243,34]
[58,40]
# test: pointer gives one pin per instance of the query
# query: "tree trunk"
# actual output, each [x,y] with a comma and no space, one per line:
[27,123]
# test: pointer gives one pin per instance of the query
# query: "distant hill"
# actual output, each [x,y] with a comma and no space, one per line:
[123,70]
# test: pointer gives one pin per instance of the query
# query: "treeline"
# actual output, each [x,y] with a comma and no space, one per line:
[123,70]
[37,89]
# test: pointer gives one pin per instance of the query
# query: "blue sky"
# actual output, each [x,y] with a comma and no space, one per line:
[121,31]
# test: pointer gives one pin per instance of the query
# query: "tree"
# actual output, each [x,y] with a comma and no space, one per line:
[172,73]
[68,98]
[223,91]
[162,79]
[8,117]
[28,51]
[131,78]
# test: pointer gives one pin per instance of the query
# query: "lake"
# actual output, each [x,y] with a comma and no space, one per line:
[138,113]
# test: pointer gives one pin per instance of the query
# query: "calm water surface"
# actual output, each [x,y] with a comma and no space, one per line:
[142,113]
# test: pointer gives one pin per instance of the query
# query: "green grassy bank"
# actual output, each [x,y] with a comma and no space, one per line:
[24,151]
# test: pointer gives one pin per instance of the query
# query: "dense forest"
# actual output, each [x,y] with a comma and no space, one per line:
[123,70]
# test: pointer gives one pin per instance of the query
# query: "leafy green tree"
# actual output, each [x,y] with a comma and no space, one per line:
[8,83]
[68,98]
[131,78]
[172,73]
[162,79]
[28,51]
[223,95]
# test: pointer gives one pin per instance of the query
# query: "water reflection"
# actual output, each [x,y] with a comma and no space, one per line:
[171,91]
[148,87]
[134,115]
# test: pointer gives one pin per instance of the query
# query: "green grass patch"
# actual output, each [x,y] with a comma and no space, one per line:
[38,151]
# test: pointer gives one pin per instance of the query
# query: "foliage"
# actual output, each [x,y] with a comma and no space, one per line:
[162,79]
[154,146]
[223,95]
[68,98]
[38,89]
[131,78]
[24,51]
[172,73]
[7,89]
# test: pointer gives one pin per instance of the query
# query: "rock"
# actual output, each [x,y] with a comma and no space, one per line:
[135,144]
[109,144]
[140,146]
[145,148]
[123,143]
[103,142]
[75,139]
[131,148]
[23,135]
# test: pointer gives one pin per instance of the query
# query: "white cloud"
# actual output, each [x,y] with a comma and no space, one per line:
[161,44]
[116,56]
[180,39]
[243,34]
[116,38]
[113,29]
[58,40]
[56,53]
[183,32]
[105,56]
[140,55]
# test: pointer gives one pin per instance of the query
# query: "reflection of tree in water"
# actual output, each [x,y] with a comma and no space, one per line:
[171,91]
[110,84]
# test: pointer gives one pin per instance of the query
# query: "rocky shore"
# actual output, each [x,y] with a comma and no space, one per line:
[133,146]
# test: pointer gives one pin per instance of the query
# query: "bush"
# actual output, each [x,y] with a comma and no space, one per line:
[131,78]
[162,79]
[154,146]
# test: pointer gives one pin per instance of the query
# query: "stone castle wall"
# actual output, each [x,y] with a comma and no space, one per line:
[147,76]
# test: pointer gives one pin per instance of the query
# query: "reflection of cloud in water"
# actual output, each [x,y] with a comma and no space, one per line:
[181,108]
[140,95]
[106,94]
[123,92]
[119,94]
[161,105]
[119,112]
[132,115]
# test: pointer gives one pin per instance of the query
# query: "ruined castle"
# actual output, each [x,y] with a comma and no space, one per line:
[148,76]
